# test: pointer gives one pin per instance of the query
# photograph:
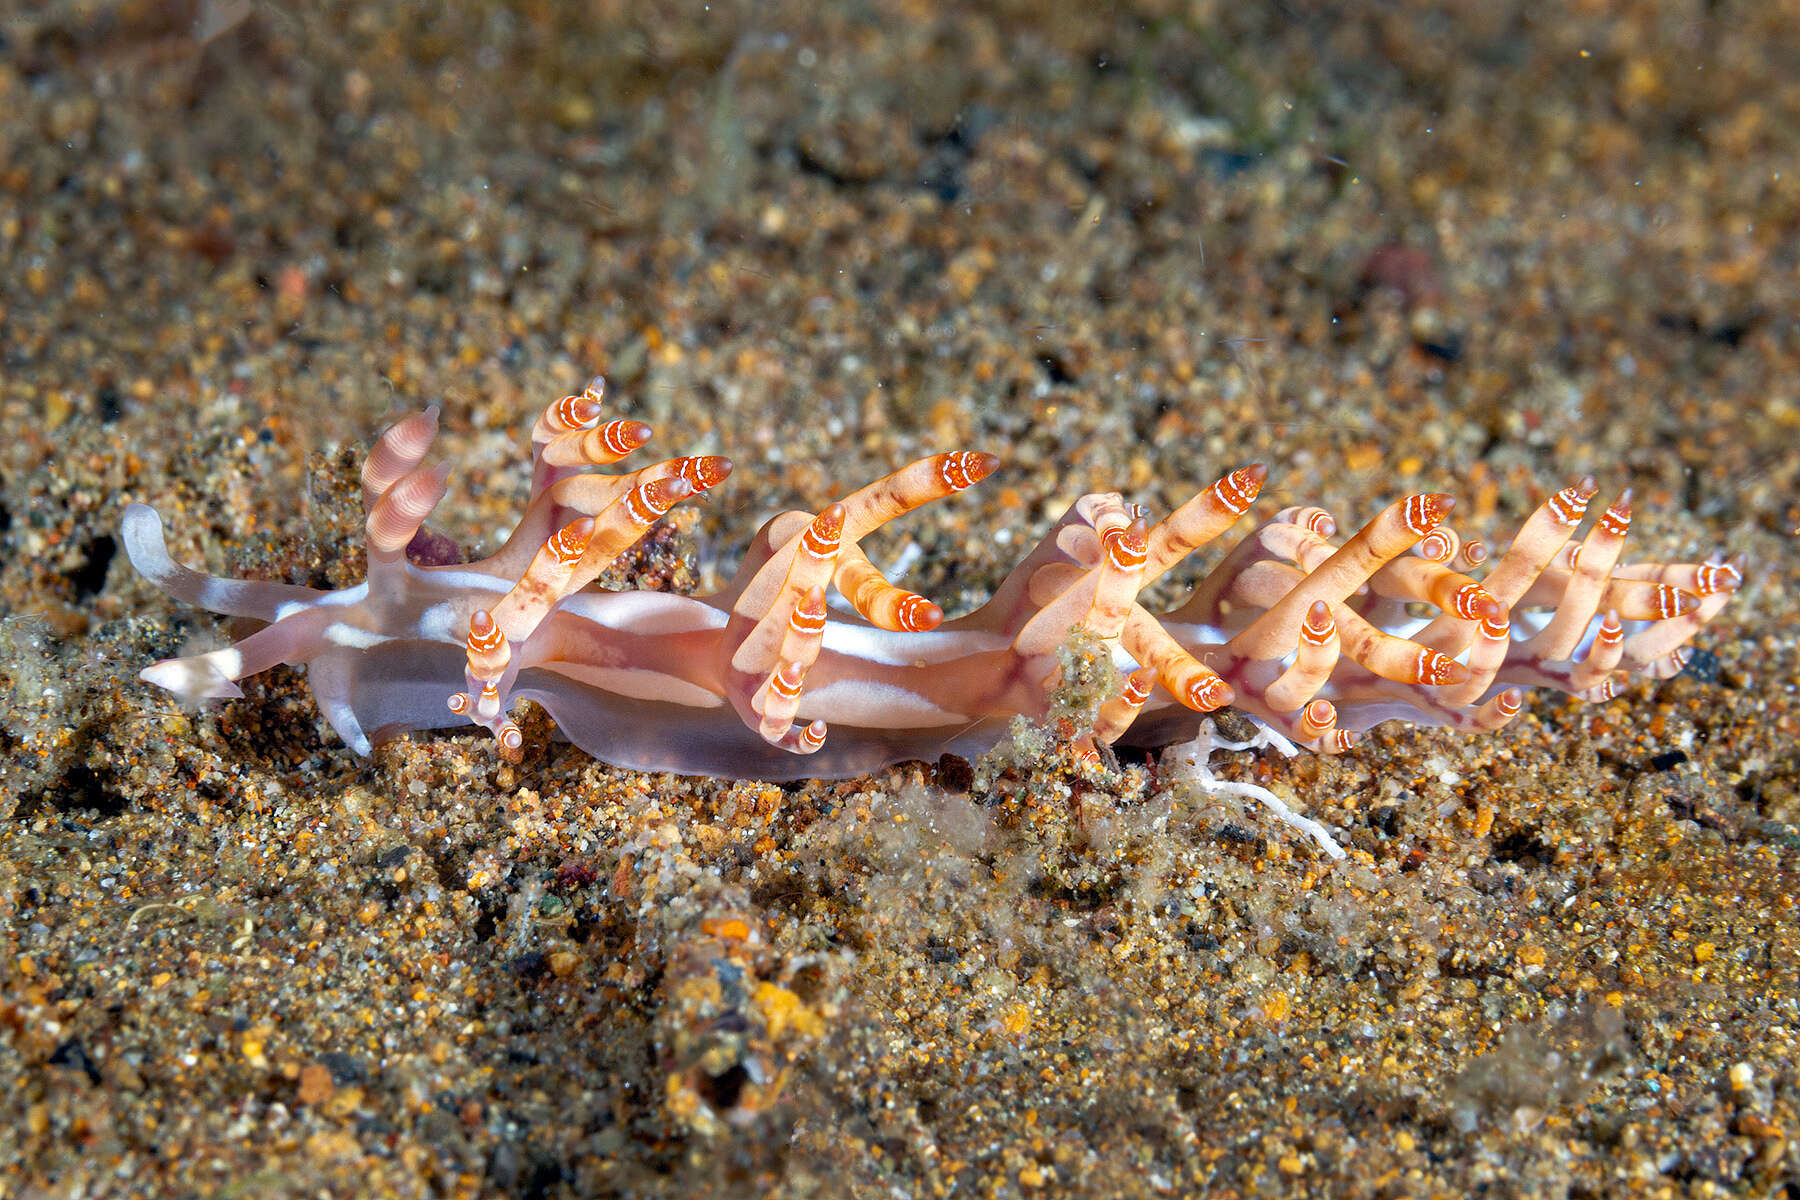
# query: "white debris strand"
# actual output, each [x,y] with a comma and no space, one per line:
[1192,765]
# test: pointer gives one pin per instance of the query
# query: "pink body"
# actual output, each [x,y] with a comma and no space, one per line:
[765,680]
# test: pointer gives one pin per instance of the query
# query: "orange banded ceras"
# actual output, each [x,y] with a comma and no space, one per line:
[766,679]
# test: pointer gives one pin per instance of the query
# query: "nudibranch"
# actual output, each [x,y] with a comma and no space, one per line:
[812,664]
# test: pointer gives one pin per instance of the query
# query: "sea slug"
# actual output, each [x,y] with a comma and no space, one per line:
[811,664]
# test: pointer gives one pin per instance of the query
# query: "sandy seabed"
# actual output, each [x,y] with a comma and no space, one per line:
[1483,249]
